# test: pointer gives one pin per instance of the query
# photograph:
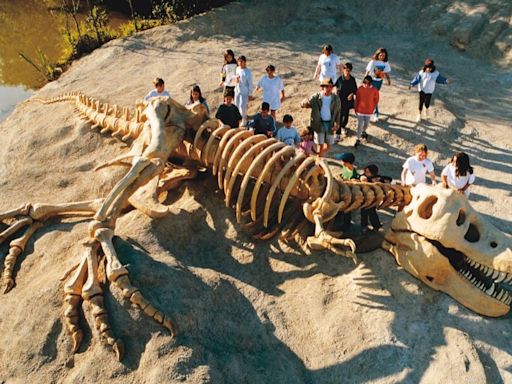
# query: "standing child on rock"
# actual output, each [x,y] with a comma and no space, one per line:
[378,68]
[367,98]
[348,172]
[243,88]
[346,87]
[273,89]
[328,65]
[228,71]
[426,79]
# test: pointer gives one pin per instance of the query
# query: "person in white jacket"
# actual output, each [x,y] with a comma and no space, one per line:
[426,79]
[244,88]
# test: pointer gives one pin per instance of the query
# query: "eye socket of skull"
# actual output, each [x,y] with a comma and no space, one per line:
[425,208]
[472,235]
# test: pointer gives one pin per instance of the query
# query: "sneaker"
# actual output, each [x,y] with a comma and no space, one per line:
[418,118]
[364,136]
[357,143]
[426,114]
[337,138]
[375,118]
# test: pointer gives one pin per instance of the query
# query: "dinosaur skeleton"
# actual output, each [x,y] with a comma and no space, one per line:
[267,181]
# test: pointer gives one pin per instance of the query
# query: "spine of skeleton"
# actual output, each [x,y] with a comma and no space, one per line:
[120,122]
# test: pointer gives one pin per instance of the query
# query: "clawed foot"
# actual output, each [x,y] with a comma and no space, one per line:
[325,240]
[84,284]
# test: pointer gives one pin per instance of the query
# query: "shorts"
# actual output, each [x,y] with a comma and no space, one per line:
[377,84]
[325,135]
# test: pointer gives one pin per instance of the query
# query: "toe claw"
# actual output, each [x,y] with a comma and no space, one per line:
[9,284]
[169,325]
[118,348]
[77,337]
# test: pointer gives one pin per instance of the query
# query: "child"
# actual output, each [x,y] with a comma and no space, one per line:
[367,98]
[348,172]
[243,88]
[263,122]
[371,175]
[228,113]
[346,89]
[273,89]
[159,90]
[307,144]
[197,97]
[378,68]
[426,80]
[458,174]
[228,71]
[416,167]
[288,134]
[328,64]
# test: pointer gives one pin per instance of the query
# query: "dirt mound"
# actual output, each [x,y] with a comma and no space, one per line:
[255,312]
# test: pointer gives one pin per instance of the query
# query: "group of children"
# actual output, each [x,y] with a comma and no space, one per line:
[329,115]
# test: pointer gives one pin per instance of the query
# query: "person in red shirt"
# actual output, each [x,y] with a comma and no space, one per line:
[367,98]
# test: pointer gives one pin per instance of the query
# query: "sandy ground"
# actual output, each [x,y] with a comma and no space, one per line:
[254,312]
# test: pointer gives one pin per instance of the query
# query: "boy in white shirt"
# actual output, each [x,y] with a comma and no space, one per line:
[159,90]
[416,167]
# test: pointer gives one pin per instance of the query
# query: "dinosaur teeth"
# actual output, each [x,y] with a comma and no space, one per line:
[491,290]
[508,279]
[489,272]
[501,294]
[502,276]
[495,274]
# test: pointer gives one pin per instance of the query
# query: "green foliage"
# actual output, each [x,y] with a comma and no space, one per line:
[43,65]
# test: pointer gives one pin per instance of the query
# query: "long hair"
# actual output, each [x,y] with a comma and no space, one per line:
[196,88]
[378,52]
[462,164]
[228,52]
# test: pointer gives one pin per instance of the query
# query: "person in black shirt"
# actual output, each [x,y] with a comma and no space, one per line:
[228,112]
[263,122]
[346,88]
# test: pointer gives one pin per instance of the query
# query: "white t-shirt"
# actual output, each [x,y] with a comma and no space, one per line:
[377,69]
[155,93]
[272,88]
[325,112]
[328,66]
[457,182]
[417,170]
[229,70]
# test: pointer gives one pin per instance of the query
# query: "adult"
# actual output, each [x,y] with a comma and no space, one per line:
[458,174]
[328,65]
[378,68]
[196,97]
[346,88]
[325,115]
[273,89]
[416,167]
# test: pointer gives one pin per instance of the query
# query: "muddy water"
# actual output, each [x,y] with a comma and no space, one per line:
[28,26]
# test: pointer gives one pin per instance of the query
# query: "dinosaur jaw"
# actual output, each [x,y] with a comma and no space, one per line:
[476,286]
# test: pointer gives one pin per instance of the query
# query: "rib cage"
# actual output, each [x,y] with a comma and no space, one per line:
[267,182]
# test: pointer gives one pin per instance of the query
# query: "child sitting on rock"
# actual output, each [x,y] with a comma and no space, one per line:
[263,122]
[159,90]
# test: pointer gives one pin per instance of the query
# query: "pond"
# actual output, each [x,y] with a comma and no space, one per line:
[29,26]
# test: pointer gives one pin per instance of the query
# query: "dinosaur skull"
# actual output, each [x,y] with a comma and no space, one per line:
[441,240]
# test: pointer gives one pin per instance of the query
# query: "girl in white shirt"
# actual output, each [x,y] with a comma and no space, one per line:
[458,174]
[228,71]
[328,65]
[273,89]
[378,68]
